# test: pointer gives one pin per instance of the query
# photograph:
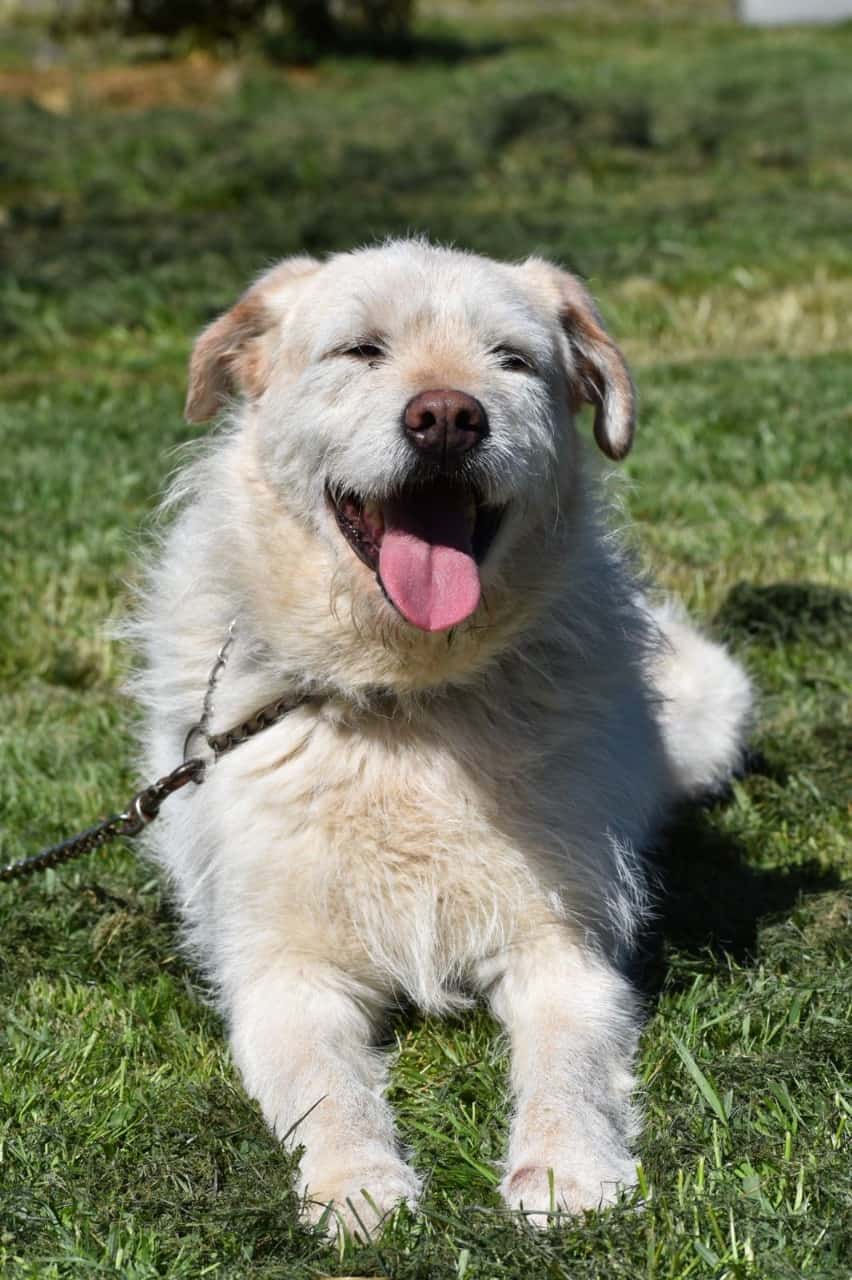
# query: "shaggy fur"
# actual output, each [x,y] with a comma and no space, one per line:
[455,814]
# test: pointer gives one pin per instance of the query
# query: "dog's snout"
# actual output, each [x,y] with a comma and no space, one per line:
[445,424]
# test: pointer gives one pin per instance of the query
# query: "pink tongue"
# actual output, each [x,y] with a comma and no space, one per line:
[426,562]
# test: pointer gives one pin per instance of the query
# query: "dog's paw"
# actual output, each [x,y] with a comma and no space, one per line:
[359,1202]
[542,1191]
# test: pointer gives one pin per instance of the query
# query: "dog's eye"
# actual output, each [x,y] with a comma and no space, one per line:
[365,351]
[513,360]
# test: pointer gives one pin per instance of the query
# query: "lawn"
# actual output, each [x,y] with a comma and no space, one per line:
[700,176]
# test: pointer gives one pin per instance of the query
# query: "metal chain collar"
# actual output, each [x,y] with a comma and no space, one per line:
[145,805]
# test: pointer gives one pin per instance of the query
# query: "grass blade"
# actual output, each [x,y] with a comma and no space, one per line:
[705,1086]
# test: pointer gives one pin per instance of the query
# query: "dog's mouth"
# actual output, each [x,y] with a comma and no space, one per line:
[425,546]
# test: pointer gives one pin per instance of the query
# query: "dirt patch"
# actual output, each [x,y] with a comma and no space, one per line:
[182,82]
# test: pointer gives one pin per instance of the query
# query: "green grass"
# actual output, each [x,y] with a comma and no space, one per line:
[701,176]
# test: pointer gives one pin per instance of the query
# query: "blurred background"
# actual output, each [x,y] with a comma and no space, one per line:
[156,153]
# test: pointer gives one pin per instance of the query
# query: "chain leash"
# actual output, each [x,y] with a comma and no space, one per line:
[143,808]
[145,805]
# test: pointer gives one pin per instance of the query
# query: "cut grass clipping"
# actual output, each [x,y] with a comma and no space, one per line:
[700,175]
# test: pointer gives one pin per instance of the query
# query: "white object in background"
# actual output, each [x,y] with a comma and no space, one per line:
[771,13]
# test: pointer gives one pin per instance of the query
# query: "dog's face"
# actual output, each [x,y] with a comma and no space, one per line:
[411,413]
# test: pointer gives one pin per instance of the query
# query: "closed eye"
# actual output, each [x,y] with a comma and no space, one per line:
[514,360]
[363,351]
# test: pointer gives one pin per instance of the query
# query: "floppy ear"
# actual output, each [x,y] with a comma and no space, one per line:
[597,372]
[230,355]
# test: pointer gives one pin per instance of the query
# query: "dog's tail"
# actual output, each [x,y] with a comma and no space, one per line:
[706,703]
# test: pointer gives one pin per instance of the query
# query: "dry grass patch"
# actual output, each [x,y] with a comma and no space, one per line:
[180,82]
[743,317]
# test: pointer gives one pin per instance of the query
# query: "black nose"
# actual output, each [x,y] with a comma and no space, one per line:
[444,425]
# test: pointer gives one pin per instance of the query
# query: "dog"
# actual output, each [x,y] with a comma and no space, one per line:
[398,512]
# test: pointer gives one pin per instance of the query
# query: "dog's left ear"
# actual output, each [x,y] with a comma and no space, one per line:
[597,371]
[233,354]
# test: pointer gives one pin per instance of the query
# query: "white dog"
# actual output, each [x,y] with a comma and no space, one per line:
[398,516]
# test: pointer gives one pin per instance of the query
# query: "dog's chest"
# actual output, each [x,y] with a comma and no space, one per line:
[390,842]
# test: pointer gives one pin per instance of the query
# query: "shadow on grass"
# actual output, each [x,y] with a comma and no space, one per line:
[443,48]
[787,612]
[712,897]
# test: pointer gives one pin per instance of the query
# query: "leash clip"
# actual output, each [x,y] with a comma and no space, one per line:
[145,805]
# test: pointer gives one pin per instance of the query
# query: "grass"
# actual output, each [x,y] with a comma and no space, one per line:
[701,176]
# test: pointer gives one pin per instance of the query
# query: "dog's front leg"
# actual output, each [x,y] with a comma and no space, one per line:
[573,1027]
[303,1045]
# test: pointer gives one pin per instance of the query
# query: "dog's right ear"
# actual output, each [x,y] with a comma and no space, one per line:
[230,355]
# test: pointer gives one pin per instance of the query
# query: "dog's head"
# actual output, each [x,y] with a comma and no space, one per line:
[411,411]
